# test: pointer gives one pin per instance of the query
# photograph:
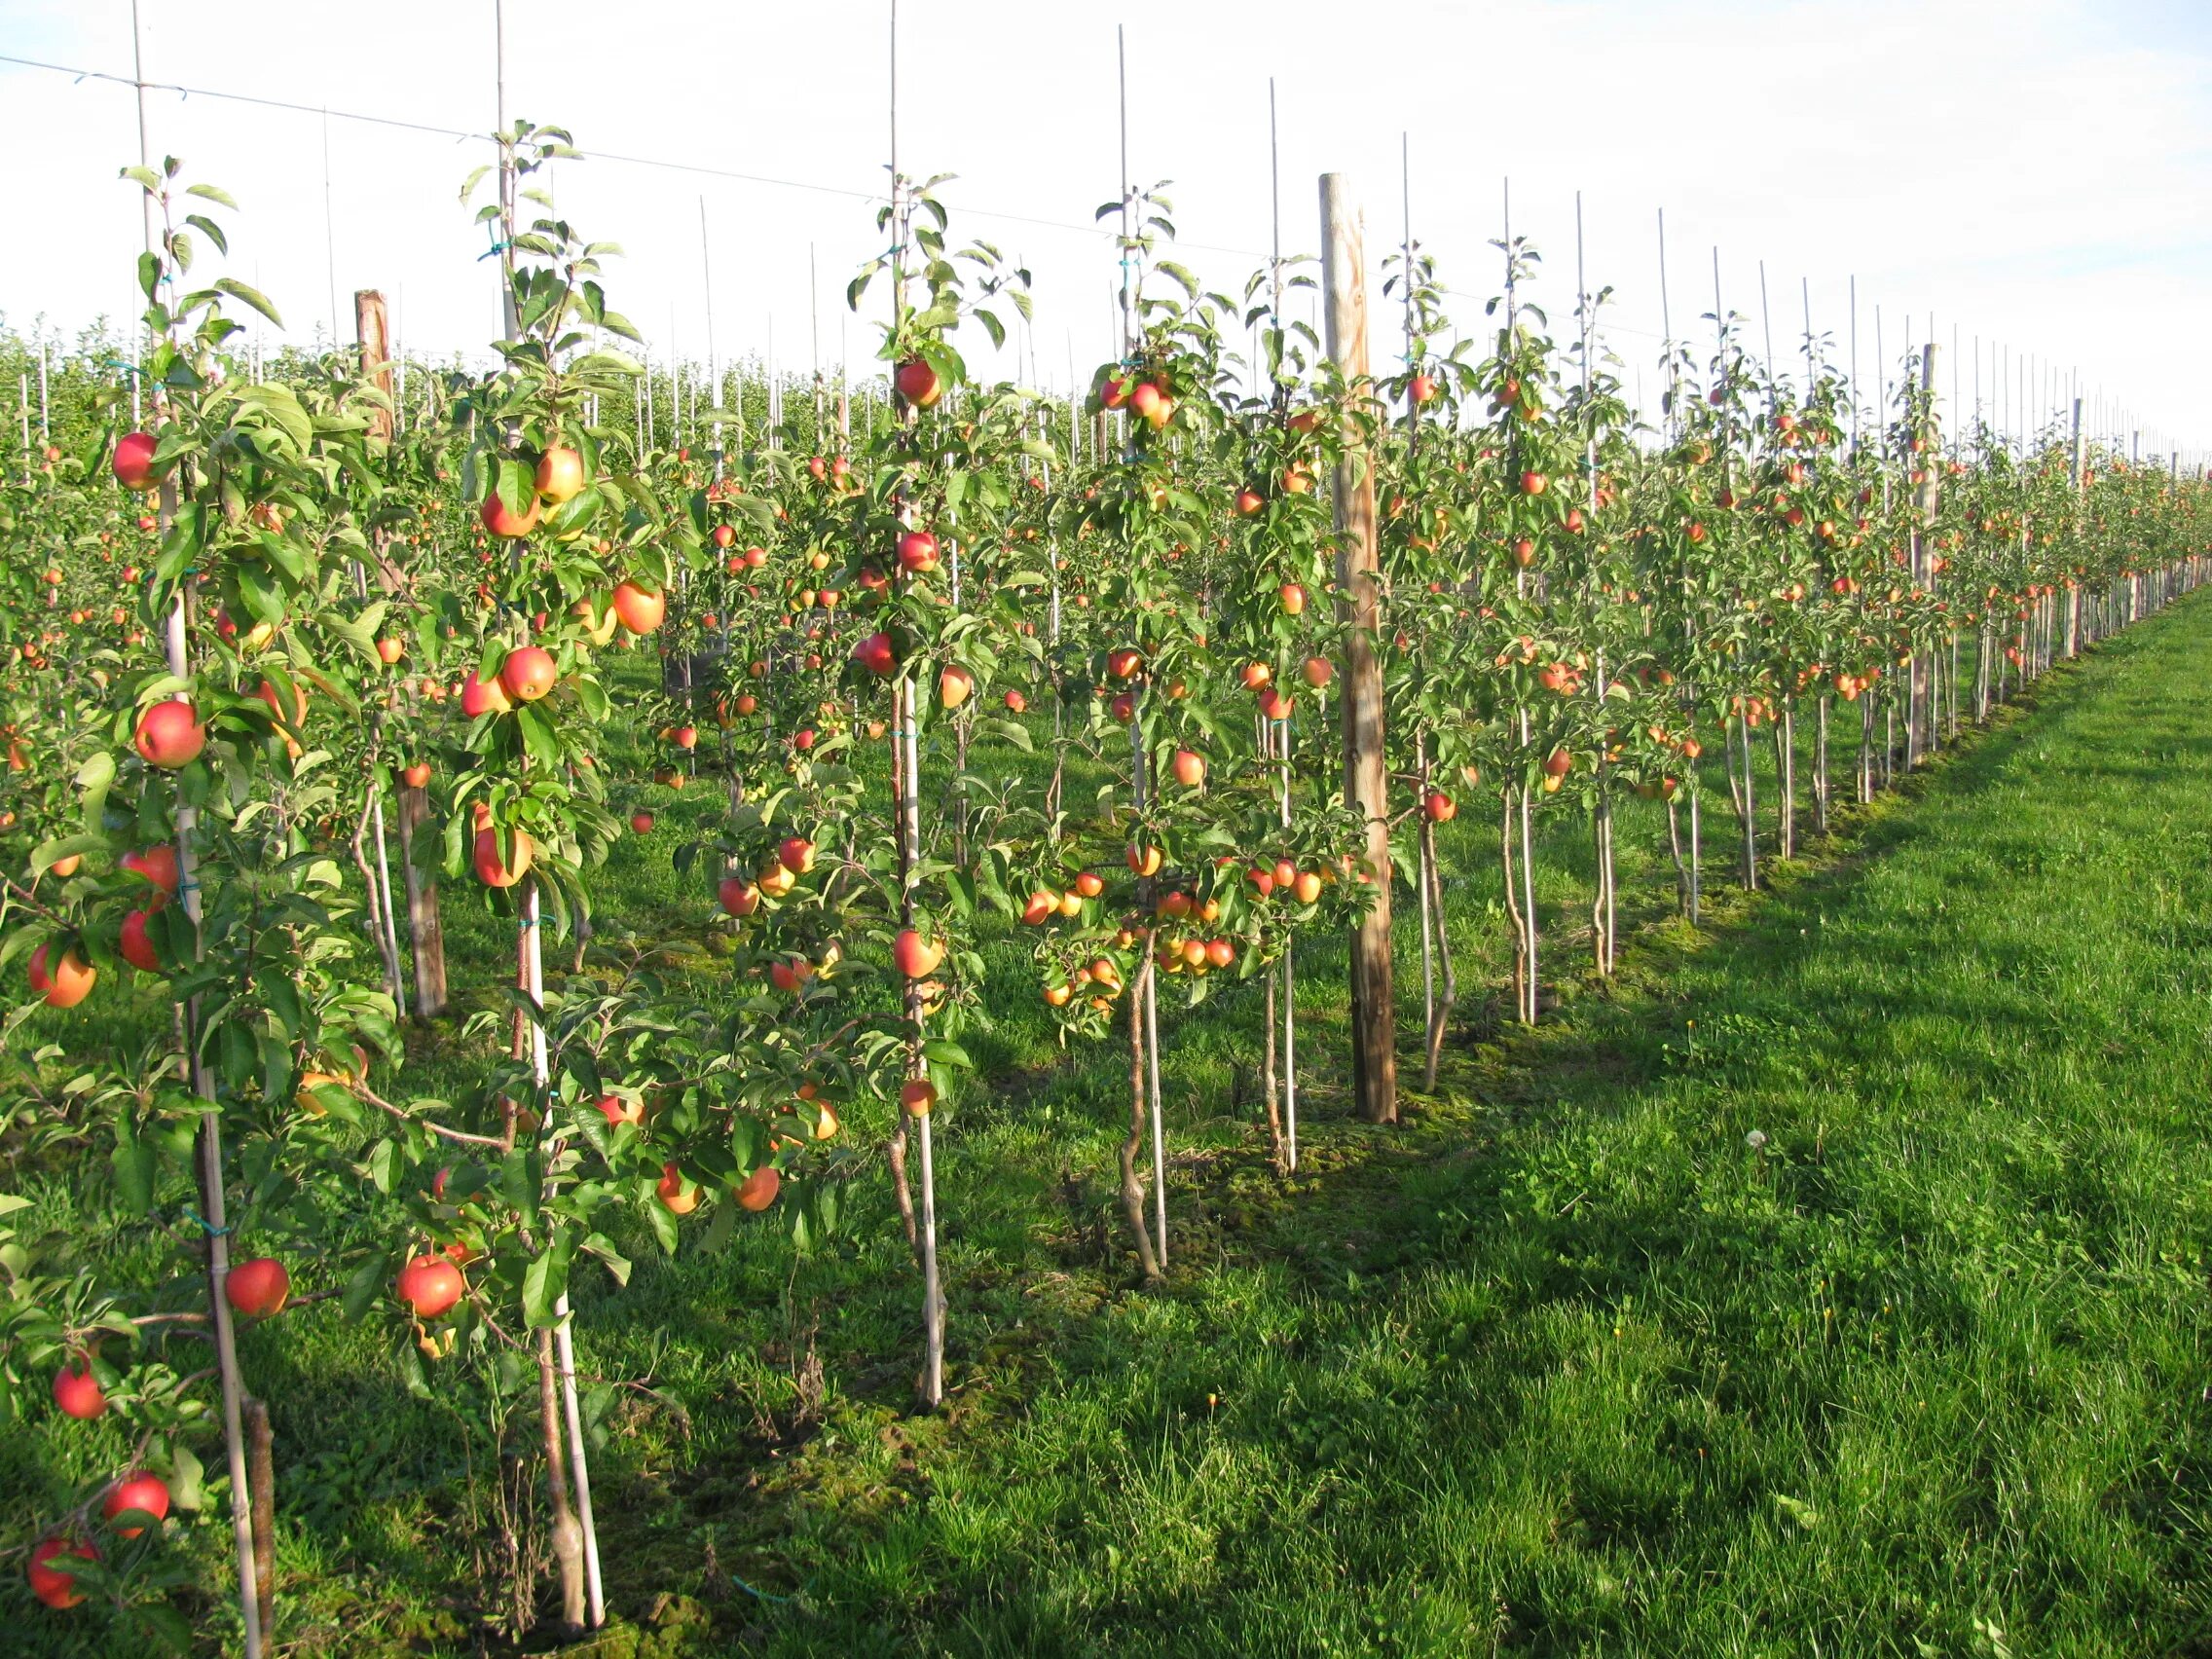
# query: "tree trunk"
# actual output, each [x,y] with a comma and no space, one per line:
[423,926]
[1133,1184]
[567,1537]
[261,1477]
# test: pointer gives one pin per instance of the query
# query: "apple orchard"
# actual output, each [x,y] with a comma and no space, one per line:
[962,707]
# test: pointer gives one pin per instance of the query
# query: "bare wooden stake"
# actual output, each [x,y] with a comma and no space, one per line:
[1343,282]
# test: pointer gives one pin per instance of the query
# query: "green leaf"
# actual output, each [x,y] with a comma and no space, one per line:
[135,1163]
[602,1248]
[518,1183]
[546,1279]
[944,1051]
[365,1286]
[52,853]
[247,296]
[188,1480]
[719,1228]
[94,777]
[383,1165]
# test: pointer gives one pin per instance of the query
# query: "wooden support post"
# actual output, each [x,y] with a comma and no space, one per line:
[1344,285]
[425,931]
[2073,597]
[373,328]
[1920,707]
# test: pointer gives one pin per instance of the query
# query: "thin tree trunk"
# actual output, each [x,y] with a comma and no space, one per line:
[424,928]
[1750,812]
[261,1477]
[1271,1084]
[567,1537]
[1508,864]
[1820,767]
[1735,781]
[1451,995]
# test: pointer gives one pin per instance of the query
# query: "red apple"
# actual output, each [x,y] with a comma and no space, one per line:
[638,610]
[680,1196]
[560,474]
[430,1285]
[916,957]
[490,871]
[873,654]
[759,1189]
[954,686]
[54,1586]
[617,1110]
[133,461]
[1190,768]
[917,552]
[503,523]
[257,1288]
[527,674]
[737,896]
[141,1493]
[919,382]
[78,1394]
[169,735]
[68,982]
[484,696]
[158,865]
[134,947]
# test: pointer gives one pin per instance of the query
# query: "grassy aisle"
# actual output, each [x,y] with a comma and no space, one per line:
[1842,1291]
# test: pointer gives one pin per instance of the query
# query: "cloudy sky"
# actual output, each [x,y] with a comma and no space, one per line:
[2031,173]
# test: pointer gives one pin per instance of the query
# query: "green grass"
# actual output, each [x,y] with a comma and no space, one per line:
[1569,1365]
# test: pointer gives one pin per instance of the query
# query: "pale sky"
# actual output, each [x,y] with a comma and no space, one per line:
[2032,173]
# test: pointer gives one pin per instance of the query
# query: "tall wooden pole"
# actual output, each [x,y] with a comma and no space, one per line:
[2074,612]
[1920,712]
[372,330]
[1343,290]
[426,926]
